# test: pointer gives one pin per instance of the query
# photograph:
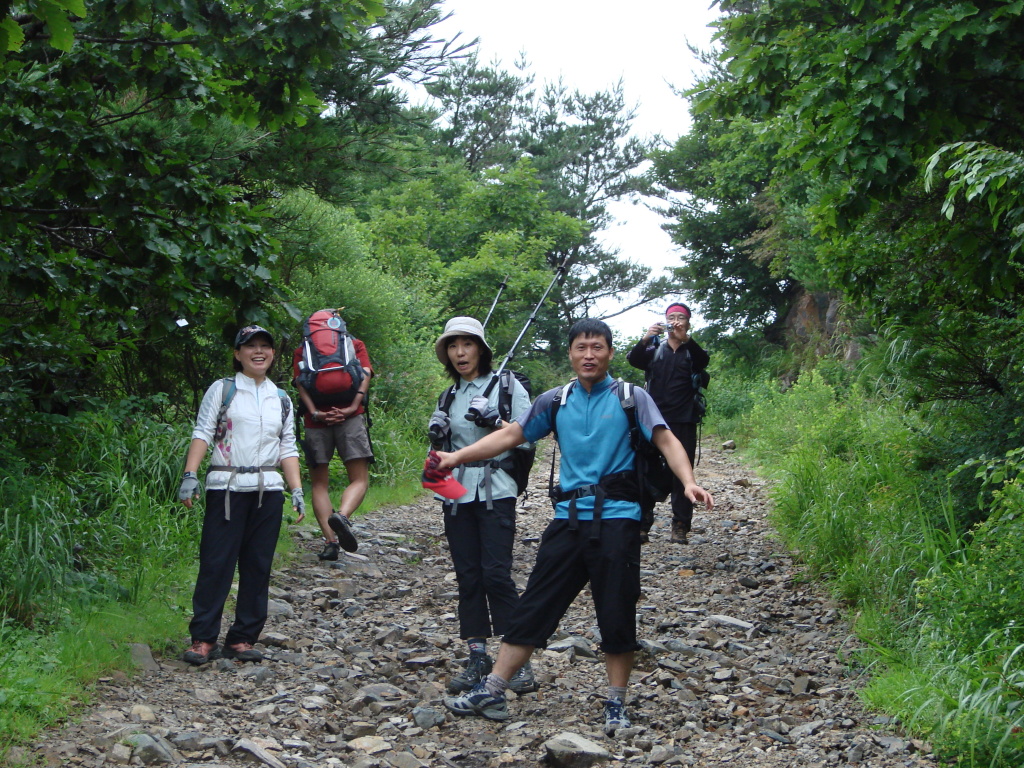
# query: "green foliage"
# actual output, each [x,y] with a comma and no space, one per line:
[868,93]
[978,597]
[583,154]
[93,521]
[715,179]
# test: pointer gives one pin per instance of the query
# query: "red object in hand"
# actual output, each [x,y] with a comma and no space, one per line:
[441,481]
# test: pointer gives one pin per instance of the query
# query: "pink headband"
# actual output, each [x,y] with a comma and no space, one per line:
[677,308]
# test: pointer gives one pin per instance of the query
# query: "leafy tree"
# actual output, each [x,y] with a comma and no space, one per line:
[717,179]
[483,108]
[463,233]
[584,155]
[137,165]
[861,98]
[870,89]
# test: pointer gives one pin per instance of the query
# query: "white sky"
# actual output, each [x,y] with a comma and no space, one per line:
[591,46]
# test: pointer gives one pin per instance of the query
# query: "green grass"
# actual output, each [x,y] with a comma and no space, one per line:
[859,494]
[46,676]
[96,553]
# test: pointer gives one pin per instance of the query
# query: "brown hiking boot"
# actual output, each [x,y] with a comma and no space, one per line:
[201,653]
[678,533]
[242,652]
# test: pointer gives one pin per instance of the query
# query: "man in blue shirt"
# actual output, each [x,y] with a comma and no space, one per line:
[577,549]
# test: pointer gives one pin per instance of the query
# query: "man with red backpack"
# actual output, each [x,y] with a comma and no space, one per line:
[332,374]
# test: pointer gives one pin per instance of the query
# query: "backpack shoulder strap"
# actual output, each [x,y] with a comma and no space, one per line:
[446,398]
[505,395]
[627,399]
[556,404]
[227,391]
[227,394]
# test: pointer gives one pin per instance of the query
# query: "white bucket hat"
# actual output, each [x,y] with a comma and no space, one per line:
[459,326]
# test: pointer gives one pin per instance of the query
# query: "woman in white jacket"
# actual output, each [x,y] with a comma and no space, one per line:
[248,422]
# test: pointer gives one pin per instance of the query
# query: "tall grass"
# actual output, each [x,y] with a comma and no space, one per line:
[864,497]
[96,552]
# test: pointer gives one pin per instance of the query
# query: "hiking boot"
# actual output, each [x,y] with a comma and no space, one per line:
[615,716]
[201,653]
[523,680]
[330,551]
[242,652]
[479,702]
[343,528]
[678,532]
[478,666]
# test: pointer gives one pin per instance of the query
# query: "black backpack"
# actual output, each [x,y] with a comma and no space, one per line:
[653,475]
[699,380]
[520,462]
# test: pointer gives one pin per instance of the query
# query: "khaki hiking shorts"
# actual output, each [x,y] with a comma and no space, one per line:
[351,439]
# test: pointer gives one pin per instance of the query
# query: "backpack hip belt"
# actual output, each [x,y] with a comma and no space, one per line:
[619,486]
[239,471]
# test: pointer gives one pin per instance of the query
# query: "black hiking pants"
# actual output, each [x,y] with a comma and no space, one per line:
[682,507]
[247,540]
[481,543]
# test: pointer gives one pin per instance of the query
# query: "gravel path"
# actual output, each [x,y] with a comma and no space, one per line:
[745,664]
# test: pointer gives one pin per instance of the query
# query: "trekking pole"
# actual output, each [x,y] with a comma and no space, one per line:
[559,274]
[473,413]
[501,287]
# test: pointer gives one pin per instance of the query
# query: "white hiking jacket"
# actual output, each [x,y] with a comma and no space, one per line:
[254,436]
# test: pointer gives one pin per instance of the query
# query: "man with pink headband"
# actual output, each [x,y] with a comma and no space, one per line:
[669,368]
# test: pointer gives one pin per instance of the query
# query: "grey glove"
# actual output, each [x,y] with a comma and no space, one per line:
[482,413]
[439,428]
[189,488]
[299,501]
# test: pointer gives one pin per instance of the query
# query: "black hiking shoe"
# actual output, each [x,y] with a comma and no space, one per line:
[330,551]
[478,666]
[343,528]
[678,532]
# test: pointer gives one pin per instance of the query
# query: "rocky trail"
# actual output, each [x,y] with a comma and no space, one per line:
[744,663]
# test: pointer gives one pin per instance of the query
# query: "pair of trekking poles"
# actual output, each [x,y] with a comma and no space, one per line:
[559,276]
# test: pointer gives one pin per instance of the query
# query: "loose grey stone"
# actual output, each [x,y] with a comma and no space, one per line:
[250,748]
[151,749]
[578,645]
[279,608]
[427,717]
[570,750]
[142,657]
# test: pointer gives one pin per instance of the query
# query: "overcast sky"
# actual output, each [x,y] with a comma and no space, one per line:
[591,46]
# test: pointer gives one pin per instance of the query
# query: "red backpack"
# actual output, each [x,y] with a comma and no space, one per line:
[327,367]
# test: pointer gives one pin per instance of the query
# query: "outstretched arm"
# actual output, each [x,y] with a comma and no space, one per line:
[487,447]
[679,463]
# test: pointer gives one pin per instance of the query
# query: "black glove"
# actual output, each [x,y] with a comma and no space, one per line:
[189,488]
[482,413]
[439,428]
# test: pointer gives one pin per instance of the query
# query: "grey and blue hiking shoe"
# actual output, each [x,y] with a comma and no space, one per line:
[523,680]
[478,666]
[479,701]
[615,716]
